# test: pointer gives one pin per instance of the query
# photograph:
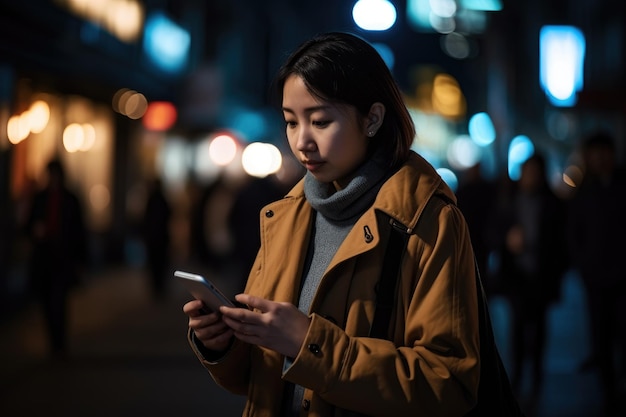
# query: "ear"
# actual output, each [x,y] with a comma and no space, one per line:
[374,119]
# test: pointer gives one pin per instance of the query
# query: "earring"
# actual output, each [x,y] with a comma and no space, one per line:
[371,133]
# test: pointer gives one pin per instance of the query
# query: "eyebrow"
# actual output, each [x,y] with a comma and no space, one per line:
[308,109]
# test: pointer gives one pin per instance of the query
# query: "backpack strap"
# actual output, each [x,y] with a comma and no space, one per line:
[495,396]
[386,289]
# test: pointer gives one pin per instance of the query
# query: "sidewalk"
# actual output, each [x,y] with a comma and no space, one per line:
[129,357]
[566,391]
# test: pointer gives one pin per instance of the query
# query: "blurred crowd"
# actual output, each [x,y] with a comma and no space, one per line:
[527,237]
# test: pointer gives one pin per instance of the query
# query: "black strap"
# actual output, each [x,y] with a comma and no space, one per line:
[385,299]
[495,396]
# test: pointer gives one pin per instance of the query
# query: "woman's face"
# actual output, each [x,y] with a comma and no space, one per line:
[328,139]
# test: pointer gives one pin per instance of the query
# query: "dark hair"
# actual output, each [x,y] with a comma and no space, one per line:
[343,68]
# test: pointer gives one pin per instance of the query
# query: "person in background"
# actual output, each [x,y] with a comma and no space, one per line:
[533,260]
[307,344]
[597,223]
[57,231]
[243,221]
[477,200]
[156,236]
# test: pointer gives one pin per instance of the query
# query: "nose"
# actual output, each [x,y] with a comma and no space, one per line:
[304,139]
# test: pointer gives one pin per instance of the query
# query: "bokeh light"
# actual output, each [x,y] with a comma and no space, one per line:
[449,177]
[463,153]
[520,149]
[223,149]
[481,129]
[39,116]
[261,159]
[375,15]
[73,137]
[160,116]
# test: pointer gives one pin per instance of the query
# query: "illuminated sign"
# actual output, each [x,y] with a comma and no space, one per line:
[562,56]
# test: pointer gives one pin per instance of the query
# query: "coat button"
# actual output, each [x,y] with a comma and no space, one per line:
[269,213]
[314,348]
[369,237]
[306,404]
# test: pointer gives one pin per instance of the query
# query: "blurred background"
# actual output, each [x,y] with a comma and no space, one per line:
[162,115]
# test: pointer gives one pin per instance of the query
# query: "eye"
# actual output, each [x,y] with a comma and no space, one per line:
[321,123]
[290,123]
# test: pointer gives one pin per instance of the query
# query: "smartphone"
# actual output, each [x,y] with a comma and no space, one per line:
[203,289]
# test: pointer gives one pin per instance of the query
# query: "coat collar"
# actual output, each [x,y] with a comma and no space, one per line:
[402,197]
[405,194]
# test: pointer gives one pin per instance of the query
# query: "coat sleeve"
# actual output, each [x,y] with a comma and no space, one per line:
[432,368]
[230,370]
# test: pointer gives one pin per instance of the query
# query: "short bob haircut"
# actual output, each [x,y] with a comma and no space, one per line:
[345,69]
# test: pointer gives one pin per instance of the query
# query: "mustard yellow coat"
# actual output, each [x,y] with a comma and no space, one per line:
[430,367]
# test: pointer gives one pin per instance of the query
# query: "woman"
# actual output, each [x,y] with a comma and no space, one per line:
[304,347]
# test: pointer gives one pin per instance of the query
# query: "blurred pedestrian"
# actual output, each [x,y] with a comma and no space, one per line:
[156,236]
[597,225]
[244,223]
[209,207]
[56,228]
[477,199]
[532,262]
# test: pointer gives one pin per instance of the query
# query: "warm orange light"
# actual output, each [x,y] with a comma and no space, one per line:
[160,116]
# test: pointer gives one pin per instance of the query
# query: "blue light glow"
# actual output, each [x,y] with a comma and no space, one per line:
[481,129]
[166,43]
[482,5]
[449,177]
[562,56]
[418,15]
[520,149]
[374,14]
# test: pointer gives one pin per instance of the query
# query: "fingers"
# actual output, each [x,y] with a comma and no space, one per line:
[276,325]
[212,340]
[240,327]
[194,308]
[256,309]
[245,322]
[215,332]
[279,326]
[210,329]
[254,302]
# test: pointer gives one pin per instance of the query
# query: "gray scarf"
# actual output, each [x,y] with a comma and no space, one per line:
[354,199]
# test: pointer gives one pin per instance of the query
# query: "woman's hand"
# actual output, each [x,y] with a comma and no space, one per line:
[209,328]
[277,326]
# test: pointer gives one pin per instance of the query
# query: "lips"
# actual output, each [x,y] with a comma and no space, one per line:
[312,165]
